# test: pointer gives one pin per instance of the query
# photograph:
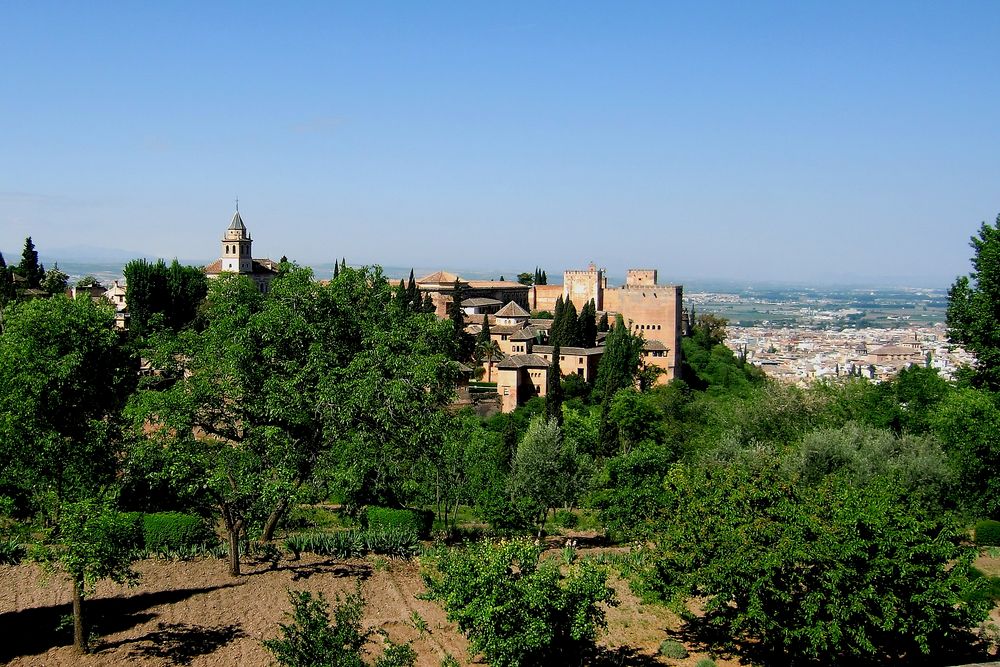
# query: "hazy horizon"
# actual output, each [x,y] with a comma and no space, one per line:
[790,142]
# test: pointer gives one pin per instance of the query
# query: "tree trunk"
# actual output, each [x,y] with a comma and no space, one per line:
[234,551]
[273,519]
[79,631]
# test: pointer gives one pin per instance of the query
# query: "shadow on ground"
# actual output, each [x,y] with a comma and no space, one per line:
[36,630]
[621,656]
[181,643]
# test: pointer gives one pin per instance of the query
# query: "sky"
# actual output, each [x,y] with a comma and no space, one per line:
[800,141]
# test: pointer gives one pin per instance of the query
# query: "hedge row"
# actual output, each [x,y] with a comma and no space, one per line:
[988,533]
[417,521]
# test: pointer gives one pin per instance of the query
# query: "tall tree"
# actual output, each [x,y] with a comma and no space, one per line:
[587,325]
[6,282]
[558,322]
[553,390]
[618,369]
[161,296]
[569,330]
[65,378]
[412,294]
[602,324]
[974,307]
[29,268]
[545,279]
[484,332]
[55,281]
[464,343]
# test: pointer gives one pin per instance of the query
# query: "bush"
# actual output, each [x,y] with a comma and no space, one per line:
[515,609]
[399,542]
[705,662]
[988,533]
[671,648]
[565,519]
[175,531]
[419,521]
[11,552]
[311,640]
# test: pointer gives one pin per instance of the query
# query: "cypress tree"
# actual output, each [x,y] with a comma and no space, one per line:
[570,330]
[484,334]
[588,325]
[399,297]
[428,305]
[29,268]
[6,282]
[555,331]
[463,342]
[412,294]
[545,279]
[336,270]
[602,326]
[553,390]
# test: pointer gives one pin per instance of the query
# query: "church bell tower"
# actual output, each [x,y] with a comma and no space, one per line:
[236,252]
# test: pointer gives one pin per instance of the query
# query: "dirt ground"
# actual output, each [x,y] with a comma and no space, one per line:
[194,613]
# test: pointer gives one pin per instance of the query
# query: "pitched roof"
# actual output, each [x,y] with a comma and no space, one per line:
[439,277]
[527,333]
[512,310]
[894,350]
[515,361]
[571,351]
[480,301]
[651,345]
[237,222]
[261,265]
[486,284]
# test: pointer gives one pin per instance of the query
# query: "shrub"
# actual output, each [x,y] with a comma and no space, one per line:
[565,519]
[671,648]
[175,531]
[988,533]
[514,608]
[11,552]
[419,521]
[311,640]
[398,542]
[705,662]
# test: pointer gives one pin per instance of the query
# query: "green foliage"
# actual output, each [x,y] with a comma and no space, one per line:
[974,307]
[166,531]
[553,391]
[55,281]
[968,423]
[811,571]
[416,521]
[92,541]
[705,662]
[631,491]
[987,533]
[544,468]
[396,541]
[29,268]
[673,649]
[11,551]
[161,296]
[516,609]
[64,378]
[565,519]
[311,639]
[620,362]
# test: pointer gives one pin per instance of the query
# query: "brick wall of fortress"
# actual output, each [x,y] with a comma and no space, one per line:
[655,312]
[543,297]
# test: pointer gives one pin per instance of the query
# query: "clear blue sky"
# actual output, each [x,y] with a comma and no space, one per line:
[800,141]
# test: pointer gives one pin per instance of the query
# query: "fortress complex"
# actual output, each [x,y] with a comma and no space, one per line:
[655,311]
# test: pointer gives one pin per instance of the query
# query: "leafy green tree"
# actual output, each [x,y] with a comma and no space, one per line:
[312,640]
[525,278]
[635,419]
[413,300]
[6,283]
[55,281]
[813,572]
[29,268]
[630,492]
[161,296]
[569,329]
[517,609]
[92,541]
[544,468]
[602,324]
[65,378]
[974,307]
[968,423]
[619,365]
[88,281]
[553,390]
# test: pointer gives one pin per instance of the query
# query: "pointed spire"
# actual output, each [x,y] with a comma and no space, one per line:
[237,222]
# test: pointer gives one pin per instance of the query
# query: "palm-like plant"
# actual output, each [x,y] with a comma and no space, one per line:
[490,351]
